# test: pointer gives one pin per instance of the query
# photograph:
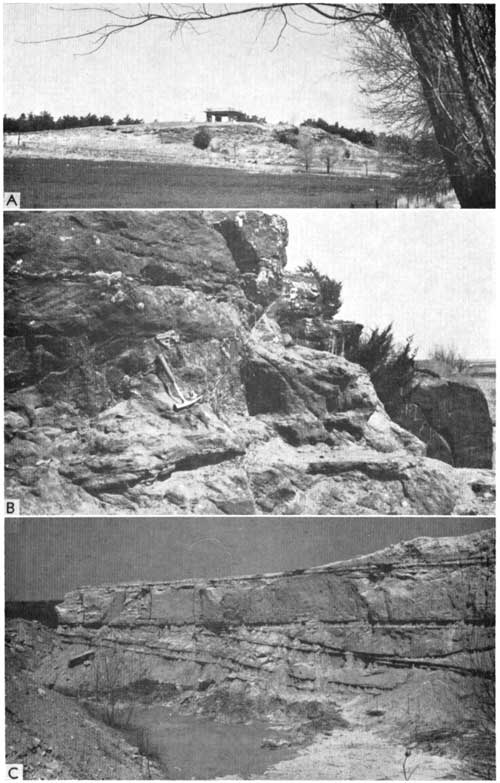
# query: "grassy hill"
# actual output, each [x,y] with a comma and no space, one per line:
[247,146]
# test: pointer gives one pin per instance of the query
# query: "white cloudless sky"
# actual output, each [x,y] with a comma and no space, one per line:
[153,75]
[430,272]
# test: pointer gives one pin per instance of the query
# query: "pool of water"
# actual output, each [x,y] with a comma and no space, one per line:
[196,748]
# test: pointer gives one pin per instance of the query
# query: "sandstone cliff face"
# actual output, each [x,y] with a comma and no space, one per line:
[146,369]
[419,614]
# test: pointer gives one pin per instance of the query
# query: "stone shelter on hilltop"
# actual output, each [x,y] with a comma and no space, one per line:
[224,115]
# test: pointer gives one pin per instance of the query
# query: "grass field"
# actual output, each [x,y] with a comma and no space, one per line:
[62,183]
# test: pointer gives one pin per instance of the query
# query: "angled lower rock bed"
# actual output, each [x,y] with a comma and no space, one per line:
[165,362]
[395,645]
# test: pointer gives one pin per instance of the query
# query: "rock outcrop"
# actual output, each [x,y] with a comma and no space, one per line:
[148,366]
[416,616]
[450,414]
[306,319]
[258,246]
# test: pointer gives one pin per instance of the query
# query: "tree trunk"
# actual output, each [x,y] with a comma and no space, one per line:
[453,47]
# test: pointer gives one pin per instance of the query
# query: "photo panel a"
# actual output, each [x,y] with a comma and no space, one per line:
[289,105]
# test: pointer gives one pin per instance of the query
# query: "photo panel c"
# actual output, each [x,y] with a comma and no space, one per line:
[291,648]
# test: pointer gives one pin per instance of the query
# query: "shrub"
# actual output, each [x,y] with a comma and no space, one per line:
[330,289]
[288,136]
[375,350]
[392,376]
[201,139]
[390,366]
[449,357]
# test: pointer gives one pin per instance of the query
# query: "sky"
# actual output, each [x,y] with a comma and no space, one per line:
[150,74]
[429,272]
[45,558]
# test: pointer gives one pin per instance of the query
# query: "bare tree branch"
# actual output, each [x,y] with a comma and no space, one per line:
[181,15]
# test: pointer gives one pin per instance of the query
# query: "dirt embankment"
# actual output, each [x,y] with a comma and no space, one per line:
[51,735]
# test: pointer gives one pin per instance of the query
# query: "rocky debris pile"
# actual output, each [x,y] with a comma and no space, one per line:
[27,643]
[415,618]
[112,319]
[220,132]
[253,145]
[264,146]
[53,737]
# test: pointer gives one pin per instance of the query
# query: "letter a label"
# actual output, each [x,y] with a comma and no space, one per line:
[12,201]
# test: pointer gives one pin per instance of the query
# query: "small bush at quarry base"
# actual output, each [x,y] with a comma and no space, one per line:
[201,139]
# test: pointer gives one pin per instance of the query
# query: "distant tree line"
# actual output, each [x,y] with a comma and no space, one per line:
[45,121]
[252,118]
[368,138]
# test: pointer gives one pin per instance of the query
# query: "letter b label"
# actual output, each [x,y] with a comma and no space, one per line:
[12,510]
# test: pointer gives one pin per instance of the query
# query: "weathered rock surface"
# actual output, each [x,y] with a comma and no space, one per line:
[258,246]
[308,320]
[415,617]
[93,424]
[451,415]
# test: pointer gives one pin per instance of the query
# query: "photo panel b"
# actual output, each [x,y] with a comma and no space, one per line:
[249,362]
